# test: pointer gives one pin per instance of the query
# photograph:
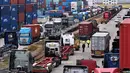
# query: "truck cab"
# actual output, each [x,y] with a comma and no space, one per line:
[75,69]
[111,60]
[107,70]
[25,36]
[49,28]
[20,61]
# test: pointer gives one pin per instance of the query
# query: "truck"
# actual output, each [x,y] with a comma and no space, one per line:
[100,43]
[10,42]
[107,70]
[89,63]
[87,29]
[52,56]
[49,28]
[75,69]
[111,60]
[20,61]
[67,42]
[29,33]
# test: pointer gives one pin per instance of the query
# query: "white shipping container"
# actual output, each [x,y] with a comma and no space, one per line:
[74,6]
[100,41]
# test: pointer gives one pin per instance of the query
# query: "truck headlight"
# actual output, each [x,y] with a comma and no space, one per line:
[49,64]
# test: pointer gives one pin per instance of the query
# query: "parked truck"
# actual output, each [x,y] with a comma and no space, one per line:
[52,56]
[29,33]
[20,61]
[67,42]
[10,41]
[87,29]
[100,44]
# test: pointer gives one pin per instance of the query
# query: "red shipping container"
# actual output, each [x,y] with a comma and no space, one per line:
[21,17]
[85,28]
[21,1]
[13,1]
[125,44]
[34,21]
[35,30]
[63,7]
[63,0]
[29,7]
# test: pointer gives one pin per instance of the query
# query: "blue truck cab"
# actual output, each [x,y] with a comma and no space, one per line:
[111,60]
[25,36]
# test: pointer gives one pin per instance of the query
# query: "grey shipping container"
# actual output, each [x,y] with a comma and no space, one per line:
[100,43]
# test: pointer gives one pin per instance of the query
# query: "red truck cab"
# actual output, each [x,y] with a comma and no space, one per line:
[106,70]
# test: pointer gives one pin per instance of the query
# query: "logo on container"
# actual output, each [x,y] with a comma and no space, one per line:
[5,20]
[5,0]
[13,9]
[13,18]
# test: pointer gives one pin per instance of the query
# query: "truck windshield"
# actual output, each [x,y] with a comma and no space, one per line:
[24,34]
[49,26]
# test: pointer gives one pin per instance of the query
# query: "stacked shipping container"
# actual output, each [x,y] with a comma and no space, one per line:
[14,13]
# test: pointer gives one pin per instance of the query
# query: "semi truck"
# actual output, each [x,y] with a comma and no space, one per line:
[100,43]
[20,61]
[52,56]
[10,42]
[87,29]
[67,42]
[29,33]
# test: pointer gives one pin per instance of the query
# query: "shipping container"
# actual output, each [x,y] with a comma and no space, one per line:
[100,43]
[21,17]
[14,26]
[14,10]
[29,7]
[35,7]
[14,19]
[34,15]
[5,27]
[85,28]
[5,10]
[35,29]
[6,2]
[28,1]
[5,19]
[1,2]
[13,2]
[21,7]
[29,16]
[21,1]
[125,44]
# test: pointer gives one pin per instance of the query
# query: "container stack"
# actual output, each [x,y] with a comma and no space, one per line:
[15,13]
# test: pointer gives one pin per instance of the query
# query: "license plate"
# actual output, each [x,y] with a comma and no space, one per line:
[98,53]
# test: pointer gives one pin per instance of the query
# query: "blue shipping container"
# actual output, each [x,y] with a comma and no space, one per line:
[60,8]
[65,3]
[6,2]
[14,10]
[14,26]
[1,2]
[14,19]
[34,15]
[5,27]
[5,19]
[35,7]
[29,16]
[28,1]
[21,8]
[5,10]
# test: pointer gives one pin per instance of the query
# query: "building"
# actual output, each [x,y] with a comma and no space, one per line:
[119,1]
[110,2]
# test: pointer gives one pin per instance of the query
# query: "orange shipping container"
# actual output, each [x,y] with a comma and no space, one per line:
[35,29]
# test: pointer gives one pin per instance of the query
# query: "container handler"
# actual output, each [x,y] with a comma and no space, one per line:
[67,41]
[20,61]
[52,56]
[10,41]
[29,34]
